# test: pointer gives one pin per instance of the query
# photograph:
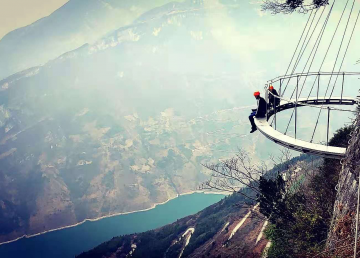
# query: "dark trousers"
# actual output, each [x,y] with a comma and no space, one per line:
[251,118]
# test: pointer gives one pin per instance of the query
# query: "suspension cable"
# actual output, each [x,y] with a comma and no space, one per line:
[337,56]
[316,45]
[347,48]
[302,34]
[312,33]
[327,51]
[299,54]
[341,43]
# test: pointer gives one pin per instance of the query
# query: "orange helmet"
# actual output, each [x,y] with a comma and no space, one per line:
[271,87]
[256,93]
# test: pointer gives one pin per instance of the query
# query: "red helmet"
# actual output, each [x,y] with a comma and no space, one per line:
[271,87]
[256,93]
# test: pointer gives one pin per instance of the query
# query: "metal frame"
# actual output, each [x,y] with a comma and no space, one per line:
[299,145]
[310,74]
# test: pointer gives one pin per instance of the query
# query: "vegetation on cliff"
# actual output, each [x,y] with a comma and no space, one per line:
[301,219]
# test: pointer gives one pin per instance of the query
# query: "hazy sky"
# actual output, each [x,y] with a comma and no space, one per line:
[19,13]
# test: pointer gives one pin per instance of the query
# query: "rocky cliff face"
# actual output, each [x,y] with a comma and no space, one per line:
[344,219]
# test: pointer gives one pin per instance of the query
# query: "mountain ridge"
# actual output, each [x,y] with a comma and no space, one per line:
[120,124]
[75,23]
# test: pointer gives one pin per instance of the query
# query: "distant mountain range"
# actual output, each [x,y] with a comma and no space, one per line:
[126,121]
[76,23]
[117,125]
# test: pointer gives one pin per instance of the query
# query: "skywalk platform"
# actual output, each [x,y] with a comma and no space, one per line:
[306,147]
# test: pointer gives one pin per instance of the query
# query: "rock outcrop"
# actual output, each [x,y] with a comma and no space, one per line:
[342,231]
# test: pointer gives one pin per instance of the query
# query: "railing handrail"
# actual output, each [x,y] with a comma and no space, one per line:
[303,102]
[289,76]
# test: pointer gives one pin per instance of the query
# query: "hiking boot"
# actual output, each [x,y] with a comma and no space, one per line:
[253,130]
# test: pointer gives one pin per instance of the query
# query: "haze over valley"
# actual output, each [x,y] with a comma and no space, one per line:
[108,106]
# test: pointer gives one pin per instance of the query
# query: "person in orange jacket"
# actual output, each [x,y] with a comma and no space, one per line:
[259,112]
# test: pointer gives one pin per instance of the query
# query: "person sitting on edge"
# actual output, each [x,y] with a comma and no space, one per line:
[273,101]
[259,112]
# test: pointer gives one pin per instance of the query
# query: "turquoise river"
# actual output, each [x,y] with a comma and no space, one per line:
[71,241]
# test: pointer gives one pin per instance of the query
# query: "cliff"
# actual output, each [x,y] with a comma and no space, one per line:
[343,224]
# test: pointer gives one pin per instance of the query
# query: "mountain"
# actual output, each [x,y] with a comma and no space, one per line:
[218,231]
[233,227]
[126,122]
[76,23]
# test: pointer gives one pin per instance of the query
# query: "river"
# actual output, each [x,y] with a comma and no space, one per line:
[71,241]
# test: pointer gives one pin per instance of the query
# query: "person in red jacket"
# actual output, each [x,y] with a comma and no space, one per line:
[259,112]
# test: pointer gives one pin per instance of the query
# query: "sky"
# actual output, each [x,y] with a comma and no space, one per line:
[19,13]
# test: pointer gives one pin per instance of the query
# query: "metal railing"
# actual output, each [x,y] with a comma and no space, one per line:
[289,76]
[295,103]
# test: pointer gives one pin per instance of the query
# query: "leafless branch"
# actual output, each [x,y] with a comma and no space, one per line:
[239,173]
[290,6]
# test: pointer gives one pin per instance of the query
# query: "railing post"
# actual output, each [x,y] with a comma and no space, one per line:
[280,87]
[266,100]
[297,86]
[317,95]
[328,127]
[274,106]
[342,88]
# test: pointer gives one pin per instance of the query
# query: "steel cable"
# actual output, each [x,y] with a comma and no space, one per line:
[302,34]
[337,56]
[299,55]
[316,45]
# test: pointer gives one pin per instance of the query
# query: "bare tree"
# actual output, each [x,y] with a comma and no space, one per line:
[289,6]
[293,172]
[243,176]
[282,159]
[239,174]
